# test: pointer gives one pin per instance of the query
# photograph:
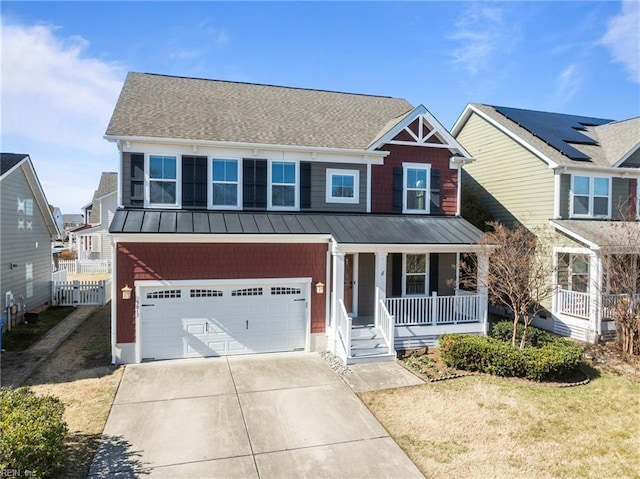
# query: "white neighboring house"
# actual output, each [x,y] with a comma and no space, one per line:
[91,241]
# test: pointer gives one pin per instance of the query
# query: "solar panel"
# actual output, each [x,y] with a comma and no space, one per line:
[556,129]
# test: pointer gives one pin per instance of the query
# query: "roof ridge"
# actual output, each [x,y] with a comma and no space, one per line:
[268,85]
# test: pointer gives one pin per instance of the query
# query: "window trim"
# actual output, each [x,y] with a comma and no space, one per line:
[591,196]
[404,276]
[148,180]
[427,189]
[270,185]
[211,182]
[329,198]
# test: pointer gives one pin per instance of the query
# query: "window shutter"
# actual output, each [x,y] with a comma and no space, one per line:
[137,179]
[398,188]
[396,274]
[254,184]
[433,273]
[194,181]
[305,185]
[435,190]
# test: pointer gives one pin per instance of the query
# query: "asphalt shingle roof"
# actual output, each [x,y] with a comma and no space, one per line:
[9,160]
[345,228]
[159,106]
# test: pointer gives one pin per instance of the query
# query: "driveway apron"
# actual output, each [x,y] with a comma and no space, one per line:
[261,416]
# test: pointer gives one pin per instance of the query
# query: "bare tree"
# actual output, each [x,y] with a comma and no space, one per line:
[621,284]
[519,274]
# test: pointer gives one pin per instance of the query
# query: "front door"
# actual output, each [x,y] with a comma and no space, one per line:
[348,282]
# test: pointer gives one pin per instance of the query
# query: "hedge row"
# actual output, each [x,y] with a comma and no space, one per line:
[554,360]
[32,433]
[536,337]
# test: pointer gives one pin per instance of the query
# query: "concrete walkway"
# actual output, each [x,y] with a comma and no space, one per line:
[260,416]
[16,367]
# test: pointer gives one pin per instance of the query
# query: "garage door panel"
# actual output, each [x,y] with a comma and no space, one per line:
[212,320]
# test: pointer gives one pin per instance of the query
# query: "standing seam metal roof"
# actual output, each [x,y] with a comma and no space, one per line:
[344,228]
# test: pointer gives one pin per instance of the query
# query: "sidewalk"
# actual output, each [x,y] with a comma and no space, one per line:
[16,367]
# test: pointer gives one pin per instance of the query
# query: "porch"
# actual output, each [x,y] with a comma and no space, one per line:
[388,301]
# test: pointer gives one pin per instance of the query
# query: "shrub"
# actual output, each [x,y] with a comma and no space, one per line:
[535,337]
[33,432]
[494,356]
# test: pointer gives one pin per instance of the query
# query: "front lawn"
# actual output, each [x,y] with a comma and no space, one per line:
[481,426]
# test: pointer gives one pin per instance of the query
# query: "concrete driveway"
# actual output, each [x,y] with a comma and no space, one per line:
[260,416]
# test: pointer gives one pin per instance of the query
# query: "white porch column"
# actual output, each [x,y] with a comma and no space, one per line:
[337,283]
[381,274]
[595,293]
[483,277]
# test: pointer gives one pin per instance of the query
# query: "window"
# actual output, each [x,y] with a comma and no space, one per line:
[416,196]
[283,185]
[225,183]
[578,273]
[343,186]
[590,196]
[163,180]
[415,274]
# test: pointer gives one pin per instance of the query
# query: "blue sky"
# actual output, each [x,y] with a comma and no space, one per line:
[63,63]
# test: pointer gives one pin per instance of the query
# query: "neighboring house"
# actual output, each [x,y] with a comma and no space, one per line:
[57,216]
[576,176]
[71,222]
[256,218]
[26,231]
[92,239]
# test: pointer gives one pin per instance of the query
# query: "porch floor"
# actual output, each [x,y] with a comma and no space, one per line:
[362,321]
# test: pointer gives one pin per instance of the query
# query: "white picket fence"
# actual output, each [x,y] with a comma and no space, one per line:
[85,266]
[77,293]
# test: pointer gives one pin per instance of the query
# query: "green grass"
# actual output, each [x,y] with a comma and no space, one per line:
[24,335]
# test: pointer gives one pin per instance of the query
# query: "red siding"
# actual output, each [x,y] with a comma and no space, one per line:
[382,176]
[168,261]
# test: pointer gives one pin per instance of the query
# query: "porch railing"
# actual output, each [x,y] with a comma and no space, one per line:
[385,321]
[434,310]
[611,301]
[343,325]
[573,303]
[85,266]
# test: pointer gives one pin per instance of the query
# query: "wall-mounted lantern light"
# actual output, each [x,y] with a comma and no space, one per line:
[319,287]
[126,292]
[13,265]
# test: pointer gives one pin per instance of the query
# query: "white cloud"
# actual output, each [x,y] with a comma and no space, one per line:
[623,38]
[56,105]
[482,33]
[568,84]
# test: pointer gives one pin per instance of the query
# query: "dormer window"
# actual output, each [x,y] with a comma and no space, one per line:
[590,197]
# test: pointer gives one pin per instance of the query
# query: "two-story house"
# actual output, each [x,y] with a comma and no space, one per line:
[92,241]
[258,218]
[576,176]
[27,228]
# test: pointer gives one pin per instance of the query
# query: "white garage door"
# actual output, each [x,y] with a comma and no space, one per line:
[218,319]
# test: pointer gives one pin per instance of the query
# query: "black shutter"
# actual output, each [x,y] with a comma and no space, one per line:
[194,181]
[396,274]
[137,179]
[305,185]
[254,184]
[435,191]
[398,187]
[433,272]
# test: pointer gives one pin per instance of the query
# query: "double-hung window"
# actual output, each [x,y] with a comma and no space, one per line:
[163,180]
[225,191]
[283,183]
[343,186]
[590,196]
[416,188]
[415,274]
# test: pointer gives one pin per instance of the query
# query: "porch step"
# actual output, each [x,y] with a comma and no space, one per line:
[368,342]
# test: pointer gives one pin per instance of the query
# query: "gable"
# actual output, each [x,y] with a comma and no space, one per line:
[419,128]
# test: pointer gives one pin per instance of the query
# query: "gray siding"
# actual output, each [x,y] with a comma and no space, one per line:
[366,287]
[25,241]
[565,196]
[319,188]
[633,160]
[620,188]
[446,274]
